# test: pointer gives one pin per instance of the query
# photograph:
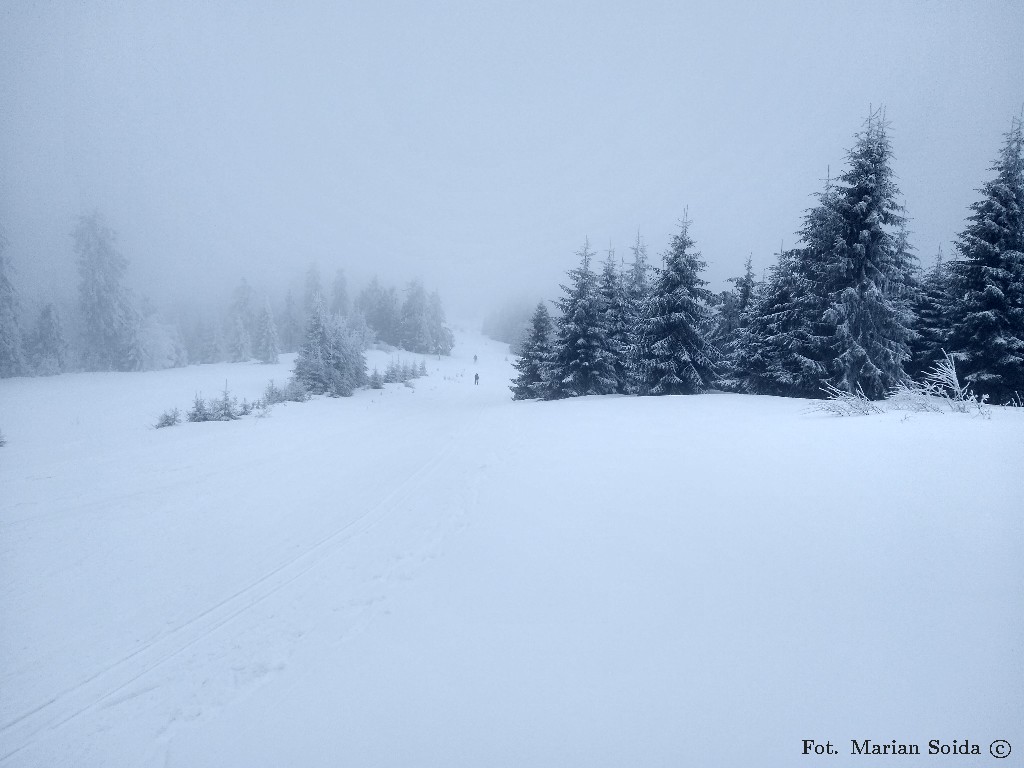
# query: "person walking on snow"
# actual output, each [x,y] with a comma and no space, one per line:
[476,378]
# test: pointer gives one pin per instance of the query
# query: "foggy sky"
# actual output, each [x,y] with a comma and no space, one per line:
[474,144]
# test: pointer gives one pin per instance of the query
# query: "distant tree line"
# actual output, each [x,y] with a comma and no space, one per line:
[113,330]
[848,308]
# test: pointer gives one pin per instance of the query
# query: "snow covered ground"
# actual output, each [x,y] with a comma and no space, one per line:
[439,576]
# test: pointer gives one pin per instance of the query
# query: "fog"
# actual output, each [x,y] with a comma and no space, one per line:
[474,145]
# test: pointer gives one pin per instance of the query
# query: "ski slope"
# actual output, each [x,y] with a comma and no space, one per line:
[438,576]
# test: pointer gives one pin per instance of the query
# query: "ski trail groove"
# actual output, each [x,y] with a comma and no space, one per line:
[109,681]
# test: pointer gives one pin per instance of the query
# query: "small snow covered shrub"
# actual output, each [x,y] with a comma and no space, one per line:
[423,368]
[941,386]
[944,382]
[293,392]
[912,396]
[842,403]
[169,418]
[273,394]
[199,411]
[225,407]
[376,380]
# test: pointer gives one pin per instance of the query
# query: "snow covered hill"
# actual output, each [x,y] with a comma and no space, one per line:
[438,576]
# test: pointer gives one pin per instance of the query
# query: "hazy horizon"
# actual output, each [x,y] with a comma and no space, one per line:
[474,146]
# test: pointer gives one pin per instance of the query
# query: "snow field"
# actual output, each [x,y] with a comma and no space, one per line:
[440,576]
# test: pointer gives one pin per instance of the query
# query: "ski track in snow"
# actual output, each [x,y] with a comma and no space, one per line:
[106,687]
[178,657]
[461,580]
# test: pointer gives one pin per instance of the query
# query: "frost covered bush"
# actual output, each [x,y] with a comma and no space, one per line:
[398,372]
[169,418]
[842,403]
[376,380]
[225,407]
[940,388]
[198,412]
[292,393]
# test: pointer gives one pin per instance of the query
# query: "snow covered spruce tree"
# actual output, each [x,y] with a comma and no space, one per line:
[770,353]
[730,315]
[381,309]
[636,282]
[783,346]
[110,320]
[636,286]
[534,358]
[291,324]
[612,292]
[47,347]
[988,280]
[932,312]
[239,342]
[312,289]
[670,353]
[414,326]
[240,326]
[581,362]
[422,325]
[329,360]
[12,357]
[266,346]
[868,272]
[442,338]
[339,294]
[838,309]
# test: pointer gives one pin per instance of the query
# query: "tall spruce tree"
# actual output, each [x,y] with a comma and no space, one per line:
[637,289]
[932,312]
[581,363]
[988,280]
[671,353]
[339,294]
[744,286]
[414,326]
[636,282]
[110,319]
[787,342]
[442,338]
[729,307]
[868,272]
[12,357]
[380,307]
[769,356]
[266,346]
[313,288]
[291,325]
[611,290]
[240,326]
[239,342]
[534,358]
[329,360]
[47,347]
